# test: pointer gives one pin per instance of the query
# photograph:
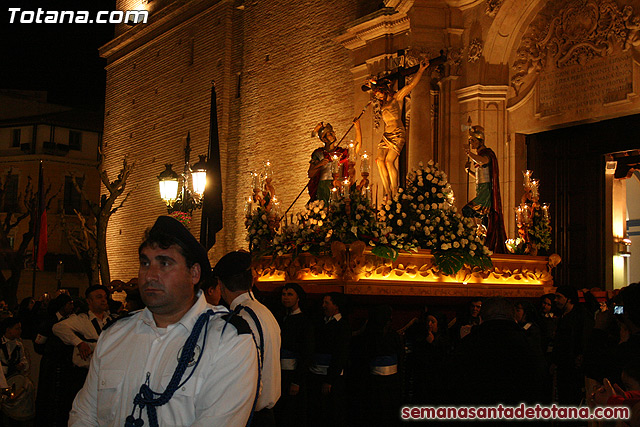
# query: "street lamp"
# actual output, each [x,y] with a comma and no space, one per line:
[199,175]
[168,181]
[174,188]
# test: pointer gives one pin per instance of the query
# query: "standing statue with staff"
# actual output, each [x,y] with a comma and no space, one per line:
[394,136]
[319,172]
[487,205]
[320,163]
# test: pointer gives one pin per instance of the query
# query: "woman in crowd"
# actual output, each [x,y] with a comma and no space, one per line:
[527,319]
[385,351]
[430,347]
[295,356]
[548,324]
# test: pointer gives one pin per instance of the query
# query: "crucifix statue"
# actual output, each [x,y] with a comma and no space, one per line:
[391,109]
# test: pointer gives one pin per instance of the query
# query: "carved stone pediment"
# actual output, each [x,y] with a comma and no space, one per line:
[575,32]
[493,6]
[475,50]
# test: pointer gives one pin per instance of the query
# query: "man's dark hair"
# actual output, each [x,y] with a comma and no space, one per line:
[569,292]
[530,312]
[133,298]
[234,271]
[475,299]
[338,299]
[154,238]
[297,289]
[630,296]
[168,231]
[211,282]
[498,308]
[7,323]
[115,306]
[94,288]
[59,302]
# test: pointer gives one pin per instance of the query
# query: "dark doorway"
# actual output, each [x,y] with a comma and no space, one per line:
[570,165]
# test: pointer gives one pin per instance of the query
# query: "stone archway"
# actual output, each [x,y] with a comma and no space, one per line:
[570,63]
[544,65]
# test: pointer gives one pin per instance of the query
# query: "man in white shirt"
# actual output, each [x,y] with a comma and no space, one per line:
[82,330]
[178,362]
[235,280]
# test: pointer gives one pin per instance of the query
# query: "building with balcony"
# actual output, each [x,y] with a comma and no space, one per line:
[67,142]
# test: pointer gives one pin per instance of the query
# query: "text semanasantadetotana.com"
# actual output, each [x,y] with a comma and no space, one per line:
[521,412]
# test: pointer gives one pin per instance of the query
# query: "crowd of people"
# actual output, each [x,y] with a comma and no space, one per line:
[46,346]
[206,351]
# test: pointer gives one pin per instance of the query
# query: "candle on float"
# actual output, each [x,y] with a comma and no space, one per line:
[545,211]
[367,193]
[534,187]
[352,152]
[333,197]
[255,181]
[519,216]
[335,164]
[268,172]
[527,178]
[345,188]
[525,213]
[247,206]
[276,207]
[365,166]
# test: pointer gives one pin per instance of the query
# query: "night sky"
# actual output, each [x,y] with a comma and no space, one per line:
[60,58]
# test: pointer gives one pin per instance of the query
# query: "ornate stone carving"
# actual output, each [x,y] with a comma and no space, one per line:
[576,32]
[413,56]
[454,59]
[475,50]
[493,6]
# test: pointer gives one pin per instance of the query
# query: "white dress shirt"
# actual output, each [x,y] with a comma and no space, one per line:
[220,392]
[68,329]
[270,391]
[11,346]
[71,329]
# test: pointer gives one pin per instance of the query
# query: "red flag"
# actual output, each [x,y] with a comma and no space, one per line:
[42,240]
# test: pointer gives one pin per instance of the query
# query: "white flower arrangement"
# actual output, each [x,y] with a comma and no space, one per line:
[426,201]
[259,229]
[421,215]
[319,224]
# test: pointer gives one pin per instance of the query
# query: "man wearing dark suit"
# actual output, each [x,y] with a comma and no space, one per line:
[331,351]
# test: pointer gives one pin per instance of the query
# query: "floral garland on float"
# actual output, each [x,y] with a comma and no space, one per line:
[532,219]
[421,216]
[262,210]
[346,220]
[348,217]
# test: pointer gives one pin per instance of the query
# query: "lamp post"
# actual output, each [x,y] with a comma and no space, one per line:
[199,175]
[174,188]
[168,181]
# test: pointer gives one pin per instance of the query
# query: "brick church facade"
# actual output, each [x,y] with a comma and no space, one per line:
[517,68]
